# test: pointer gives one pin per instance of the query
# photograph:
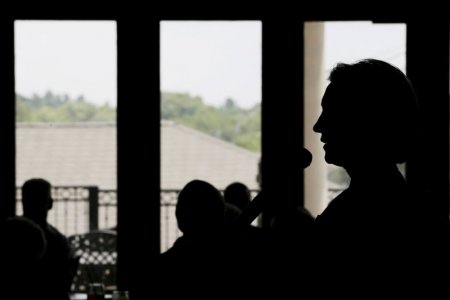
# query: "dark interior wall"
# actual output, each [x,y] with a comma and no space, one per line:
[138,140]
[282,114]
[7,120]
[428,70]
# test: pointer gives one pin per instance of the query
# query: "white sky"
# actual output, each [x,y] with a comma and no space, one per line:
[214,60]
[77,58]
[350,41]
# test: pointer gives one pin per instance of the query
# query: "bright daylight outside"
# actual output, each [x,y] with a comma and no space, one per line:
[211,102]
[66,84]
[210,109]
[326,44]
[66,134]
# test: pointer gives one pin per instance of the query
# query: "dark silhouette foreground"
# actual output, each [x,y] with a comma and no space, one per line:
[375,230]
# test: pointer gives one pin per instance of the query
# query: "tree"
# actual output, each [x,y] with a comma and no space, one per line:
[228,122]
[60,108]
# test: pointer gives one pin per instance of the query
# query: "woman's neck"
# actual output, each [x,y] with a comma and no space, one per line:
[364,174]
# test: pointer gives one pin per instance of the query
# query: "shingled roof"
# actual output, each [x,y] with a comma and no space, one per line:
[85,154]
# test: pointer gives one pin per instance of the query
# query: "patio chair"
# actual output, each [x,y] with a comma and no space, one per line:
[97,254]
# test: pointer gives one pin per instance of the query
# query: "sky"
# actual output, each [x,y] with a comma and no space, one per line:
[220,59]
[350,41]
[214,60]
[67,57]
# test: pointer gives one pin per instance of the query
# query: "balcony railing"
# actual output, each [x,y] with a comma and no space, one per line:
[79,209]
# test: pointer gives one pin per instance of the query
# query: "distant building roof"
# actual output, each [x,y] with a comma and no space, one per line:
[85,154]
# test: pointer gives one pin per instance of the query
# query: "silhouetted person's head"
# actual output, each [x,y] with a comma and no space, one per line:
[36,199]
[237,194]
[23,241]
[200,208]
[369,113]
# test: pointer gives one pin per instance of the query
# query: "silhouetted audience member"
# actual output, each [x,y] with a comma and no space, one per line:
[291,244]
[238,194]
[195,263]
[248,245]
[237,197]
[294,226]
[232,213]
[274,259]
[58,259]
[369,124]
[22,246]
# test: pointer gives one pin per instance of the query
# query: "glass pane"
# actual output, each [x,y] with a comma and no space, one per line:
[211,108]
[66,133]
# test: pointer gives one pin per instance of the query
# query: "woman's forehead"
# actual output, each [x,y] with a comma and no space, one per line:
[330,95]
[337,95]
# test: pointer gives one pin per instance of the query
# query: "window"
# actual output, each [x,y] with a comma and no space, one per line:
[210,108]
[326,44]
[66,128]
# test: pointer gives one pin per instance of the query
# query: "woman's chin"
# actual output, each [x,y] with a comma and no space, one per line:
[333,159]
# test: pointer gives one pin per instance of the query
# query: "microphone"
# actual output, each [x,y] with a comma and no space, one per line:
[306,157]
[252,211]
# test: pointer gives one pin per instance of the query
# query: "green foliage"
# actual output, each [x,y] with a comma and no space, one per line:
[228,122]
[60,108]
[338,176]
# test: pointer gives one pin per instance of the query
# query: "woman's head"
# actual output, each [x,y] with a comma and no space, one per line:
[369,111]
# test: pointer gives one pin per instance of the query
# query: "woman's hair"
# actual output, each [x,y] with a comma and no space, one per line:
[384,99]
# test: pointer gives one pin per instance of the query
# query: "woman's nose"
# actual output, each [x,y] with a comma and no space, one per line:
[318,126]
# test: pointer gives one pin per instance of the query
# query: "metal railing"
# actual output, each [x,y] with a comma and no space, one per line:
[79,209]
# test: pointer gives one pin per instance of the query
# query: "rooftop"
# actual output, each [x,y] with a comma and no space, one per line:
[85,154]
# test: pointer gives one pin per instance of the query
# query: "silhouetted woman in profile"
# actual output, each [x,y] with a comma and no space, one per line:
[369,124]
